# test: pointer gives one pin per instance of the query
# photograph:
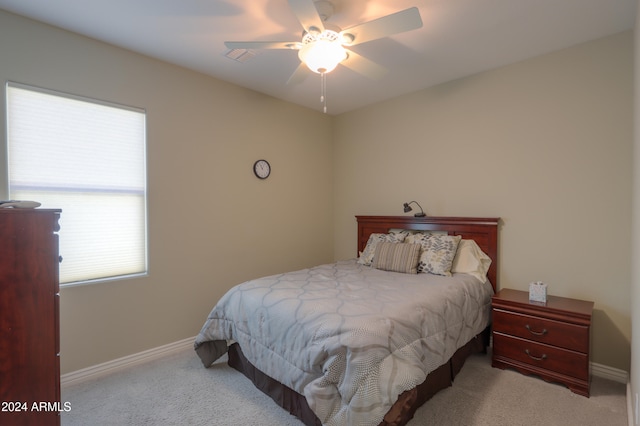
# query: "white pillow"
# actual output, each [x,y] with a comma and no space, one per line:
[470,259]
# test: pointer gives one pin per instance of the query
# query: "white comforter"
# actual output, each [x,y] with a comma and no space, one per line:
[348,337]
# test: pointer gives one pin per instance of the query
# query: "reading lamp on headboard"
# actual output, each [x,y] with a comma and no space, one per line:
[407,209]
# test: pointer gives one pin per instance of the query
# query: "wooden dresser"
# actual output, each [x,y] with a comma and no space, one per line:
[29,317]
[549,339]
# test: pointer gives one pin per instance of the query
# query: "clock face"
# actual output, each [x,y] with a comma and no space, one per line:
[262,169]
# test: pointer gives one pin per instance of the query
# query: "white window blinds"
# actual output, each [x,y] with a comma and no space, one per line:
[87,158]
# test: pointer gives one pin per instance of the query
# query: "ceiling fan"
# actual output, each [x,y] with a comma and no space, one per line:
[323,45]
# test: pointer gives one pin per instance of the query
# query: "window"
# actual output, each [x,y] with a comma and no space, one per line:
[88,158]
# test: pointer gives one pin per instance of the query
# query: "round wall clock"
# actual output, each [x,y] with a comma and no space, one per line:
[262,169]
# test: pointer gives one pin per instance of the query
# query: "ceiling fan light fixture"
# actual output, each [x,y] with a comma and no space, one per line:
[323,44]
[321,53]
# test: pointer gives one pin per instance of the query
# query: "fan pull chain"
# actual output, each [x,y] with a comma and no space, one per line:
[323,91]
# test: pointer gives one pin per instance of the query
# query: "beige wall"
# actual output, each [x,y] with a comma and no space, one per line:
[212,224]
[635,252]
[545,144]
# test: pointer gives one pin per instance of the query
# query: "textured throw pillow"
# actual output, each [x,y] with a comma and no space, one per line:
[366,257]
[438,252]
[470,259]
[397,257]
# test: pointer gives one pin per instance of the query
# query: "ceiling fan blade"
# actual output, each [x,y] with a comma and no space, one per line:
[262,44]
[399,22]
[299,74]
[363,66]
[307,14]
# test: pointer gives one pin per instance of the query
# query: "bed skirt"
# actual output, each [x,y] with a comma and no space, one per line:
[399,414]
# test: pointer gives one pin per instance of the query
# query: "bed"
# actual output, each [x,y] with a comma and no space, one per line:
[365,340]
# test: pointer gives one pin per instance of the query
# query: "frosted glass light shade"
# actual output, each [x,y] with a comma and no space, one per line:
[322,56]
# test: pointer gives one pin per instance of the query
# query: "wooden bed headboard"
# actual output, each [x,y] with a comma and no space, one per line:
[481,229]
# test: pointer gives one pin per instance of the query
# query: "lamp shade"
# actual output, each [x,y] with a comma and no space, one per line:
[407,208]
[322,55]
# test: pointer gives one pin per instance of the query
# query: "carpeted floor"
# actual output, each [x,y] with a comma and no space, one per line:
[177,390]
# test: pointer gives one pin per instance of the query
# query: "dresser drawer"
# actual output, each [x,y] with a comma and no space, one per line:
[556,333]
[567,362]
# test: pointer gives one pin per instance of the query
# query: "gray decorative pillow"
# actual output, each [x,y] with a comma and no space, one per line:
[397,257]
[438,252]
[366,256]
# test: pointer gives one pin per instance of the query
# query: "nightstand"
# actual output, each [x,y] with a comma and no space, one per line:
[550,340]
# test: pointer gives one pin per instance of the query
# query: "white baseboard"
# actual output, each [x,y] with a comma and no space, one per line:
[609,373]
[108,367]
[128,361]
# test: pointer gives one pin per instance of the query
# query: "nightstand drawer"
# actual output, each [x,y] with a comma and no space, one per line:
[556,333]
[541,356]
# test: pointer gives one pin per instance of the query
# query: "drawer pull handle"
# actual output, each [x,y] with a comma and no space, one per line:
[537,333]
[543,357]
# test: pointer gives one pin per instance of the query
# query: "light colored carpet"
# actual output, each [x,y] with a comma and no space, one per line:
[177,390]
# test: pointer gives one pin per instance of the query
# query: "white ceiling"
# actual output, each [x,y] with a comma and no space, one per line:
[458,38]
